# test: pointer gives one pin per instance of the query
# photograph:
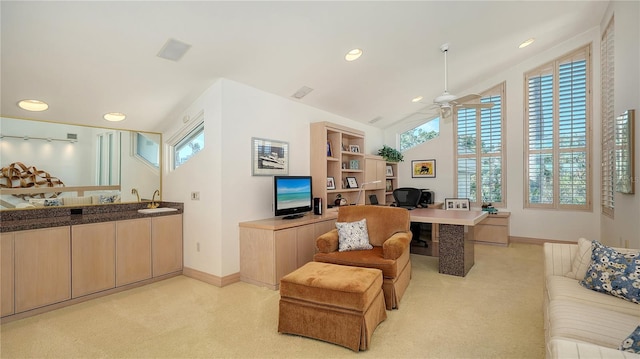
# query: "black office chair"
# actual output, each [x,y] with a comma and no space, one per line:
[409,198]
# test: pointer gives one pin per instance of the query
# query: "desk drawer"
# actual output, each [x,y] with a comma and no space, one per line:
[495,221]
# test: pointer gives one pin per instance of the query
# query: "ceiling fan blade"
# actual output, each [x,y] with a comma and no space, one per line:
[477,105]
[466,98]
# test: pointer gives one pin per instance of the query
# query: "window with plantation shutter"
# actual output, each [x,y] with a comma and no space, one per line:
[557,115]
[608,120]
[480,153]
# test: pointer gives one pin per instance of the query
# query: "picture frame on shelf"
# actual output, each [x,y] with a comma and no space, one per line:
[354,165]
[389,187]
[457,204]
[329,149]
[352,182]
[331,183]
[354,148]
[269,157]
[423,168]
[389,171]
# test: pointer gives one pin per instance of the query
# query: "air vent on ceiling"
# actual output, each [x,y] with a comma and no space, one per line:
[302,92]
[173,50]
[72,136]
[376,119]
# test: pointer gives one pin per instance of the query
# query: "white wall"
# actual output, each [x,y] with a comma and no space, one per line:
[530,223]
[234,113]
[626,222]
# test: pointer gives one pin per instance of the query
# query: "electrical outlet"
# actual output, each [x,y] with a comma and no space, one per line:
[195,196]
[197,246]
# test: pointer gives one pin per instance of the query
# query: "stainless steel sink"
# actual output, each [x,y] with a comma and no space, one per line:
[156,210]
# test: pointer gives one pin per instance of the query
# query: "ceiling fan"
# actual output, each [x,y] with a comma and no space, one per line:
[447,102]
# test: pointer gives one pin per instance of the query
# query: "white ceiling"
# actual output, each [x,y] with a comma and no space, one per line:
[89,58]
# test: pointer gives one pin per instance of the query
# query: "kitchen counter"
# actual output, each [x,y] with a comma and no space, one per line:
[26,219]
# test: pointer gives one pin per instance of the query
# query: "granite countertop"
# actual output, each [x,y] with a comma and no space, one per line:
[68,216]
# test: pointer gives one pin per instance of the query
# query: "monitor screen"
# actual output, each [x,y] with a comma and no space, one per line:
[292,196]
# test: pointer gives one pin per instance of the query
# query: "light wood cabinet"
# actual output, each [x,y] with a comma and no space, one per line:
[375,167]
[92,258]
[336,152]
[42,267]
[272,248]
[494,229]
[133,251]
[166,244]
[6,277]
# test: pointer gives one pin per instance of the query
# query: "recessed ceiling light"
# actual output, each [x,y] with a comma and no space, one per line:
[114,116]
[527,43]
[353,55]
[33,105]
[417,99]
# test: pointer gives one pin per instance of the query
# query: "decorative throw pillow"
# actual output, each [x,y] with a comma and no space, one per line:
[353,236]
[632,342]
[108,199]
[581,261]
[614,273]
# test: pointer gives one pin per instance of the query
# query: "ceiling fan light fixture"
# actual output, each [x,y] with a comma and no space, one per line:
[33,105]
[353,55]
[114,116]
[526,43]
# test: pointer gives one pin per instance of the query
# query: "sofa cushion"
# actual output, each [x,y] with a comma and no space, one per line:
[614,273]
[565,349]
[560,287]
[373,258]
[353,236]
[581,261]
[574,320]
[632,342]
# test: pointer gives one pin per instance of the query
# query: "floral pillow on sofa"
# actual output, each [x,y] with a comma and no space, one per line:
[613,273]
[353,236]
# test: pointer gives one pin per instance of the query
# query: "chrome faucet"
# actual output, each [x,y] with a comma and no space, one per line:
[153,203]
[135,191]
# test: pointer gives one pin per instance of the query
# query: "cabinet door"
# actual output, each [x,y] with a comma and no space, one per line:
[166,244]
[42,267]
[285,244]
[305,244]
[133,251]
[6,279]
[93,258]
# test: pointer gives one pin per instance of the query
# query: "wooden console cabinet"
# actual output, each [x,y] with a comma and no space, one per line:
[493,230]
[272,248]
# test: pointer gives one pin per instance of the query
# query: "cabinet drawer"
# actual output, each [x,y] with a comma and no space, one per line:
[495,221]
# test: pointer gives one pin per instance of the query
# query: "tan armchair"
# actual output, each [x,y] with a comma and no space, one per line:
[389,234]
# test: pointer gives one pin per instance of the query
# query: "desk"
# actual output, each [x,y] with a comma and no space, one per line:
[456,244]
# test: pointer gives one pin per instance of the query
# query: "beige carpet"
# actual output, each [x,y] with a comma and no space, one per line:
[494,312]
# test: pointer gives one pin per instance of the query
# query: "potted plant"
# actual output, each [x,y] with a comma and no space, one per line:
[390,154]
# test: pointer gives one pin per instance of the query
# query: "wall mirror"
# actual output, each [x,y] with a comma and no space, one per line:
[625,172]
[102,164]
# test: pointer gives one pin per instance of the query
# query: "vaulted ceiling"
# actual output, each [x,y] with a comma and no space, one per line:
[89,58]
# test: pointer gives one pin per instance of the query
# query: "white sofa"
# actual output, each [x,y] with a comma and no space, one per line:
[579,322]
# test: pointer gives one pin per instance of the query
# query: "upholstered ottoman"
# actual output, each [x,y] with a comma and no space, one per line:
[338,304]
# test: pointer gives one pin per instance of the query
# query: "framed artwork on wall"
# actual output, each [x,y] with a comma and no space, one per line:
[269,157]
[423,168]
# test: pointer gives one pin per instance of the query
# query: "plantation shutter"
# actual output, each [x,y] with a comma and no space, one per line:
[608,120]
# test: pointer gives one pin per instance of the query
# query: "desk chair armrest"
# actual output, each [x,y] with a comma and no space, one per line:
[396,245]
[328,242]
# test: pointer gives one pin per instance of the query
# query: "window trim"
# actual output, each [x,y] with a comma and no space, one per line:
[554,65]
[501,90]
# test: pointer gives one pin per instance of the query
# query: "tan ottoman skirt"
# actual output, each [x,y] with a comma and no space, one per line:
[338,304]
